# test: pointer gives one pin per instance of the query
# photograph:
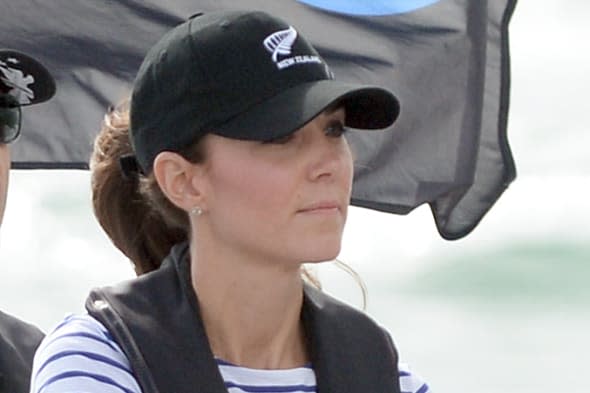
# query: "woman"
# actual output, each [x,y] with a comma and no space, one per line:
[233,173]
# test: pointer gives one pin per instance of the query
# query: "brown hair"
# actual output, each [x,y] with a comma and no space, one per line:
[132,210]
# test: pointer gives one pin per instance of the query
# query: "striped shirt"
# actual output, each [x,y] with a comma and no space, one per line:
[81,356]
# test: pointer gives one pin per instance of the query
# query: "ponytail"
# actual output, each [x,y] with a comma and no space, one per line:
[131,208]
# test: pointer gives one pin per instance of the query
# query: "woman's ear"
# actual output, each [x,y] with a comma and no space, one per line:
[176,178]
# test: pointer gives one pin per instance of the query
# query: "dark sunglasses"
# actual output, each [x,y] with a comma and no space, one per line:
[10,118]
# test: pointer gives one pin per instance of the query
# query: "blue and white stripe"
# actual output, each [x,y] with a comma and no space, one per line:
[410,382]
[81,356]
[248,380]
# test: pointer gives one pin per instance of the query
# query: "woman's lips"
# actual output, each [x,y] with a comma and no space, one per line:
[321,207]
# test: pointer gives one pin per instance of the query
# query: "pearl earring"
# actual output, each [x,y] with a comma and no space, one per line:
[196,211]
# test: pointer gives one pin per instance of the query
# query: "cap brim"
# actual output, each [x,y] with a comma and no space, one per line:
[366,108]
[23,77]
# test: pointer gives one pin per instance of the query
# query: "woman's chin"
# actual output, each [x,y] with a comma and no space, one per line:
[323,253]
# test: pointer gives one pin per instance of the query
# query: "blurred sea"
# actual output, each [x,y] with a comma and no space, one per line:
[506,309]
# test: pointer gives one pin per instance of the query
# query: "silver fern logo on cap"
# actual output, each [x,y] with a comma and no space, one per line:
[17,81]
[280,43]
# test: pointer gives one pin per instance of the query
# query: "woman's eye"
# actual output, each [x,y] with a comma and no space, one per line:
[335,129]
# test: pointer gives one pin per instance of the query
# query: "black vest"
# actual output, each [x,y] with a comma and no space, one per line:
[155,319]
[18,342]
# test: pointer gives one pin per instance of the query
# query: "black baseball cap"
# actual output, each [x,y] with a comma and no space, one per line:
[23,81]
[243,75]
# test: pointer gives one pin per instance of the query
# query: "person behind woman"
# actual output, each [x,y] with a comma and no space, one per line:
[23,81]
[228,170]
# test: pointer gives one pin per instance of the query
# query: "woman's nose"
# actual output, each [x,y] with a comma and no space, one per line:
[330,156]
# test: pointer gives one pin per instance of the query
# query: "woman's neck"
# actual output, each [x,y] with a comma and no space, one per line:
[251,311]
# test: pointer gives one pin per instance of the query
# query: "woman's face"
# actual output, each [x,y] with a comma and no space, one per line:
[281,200]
